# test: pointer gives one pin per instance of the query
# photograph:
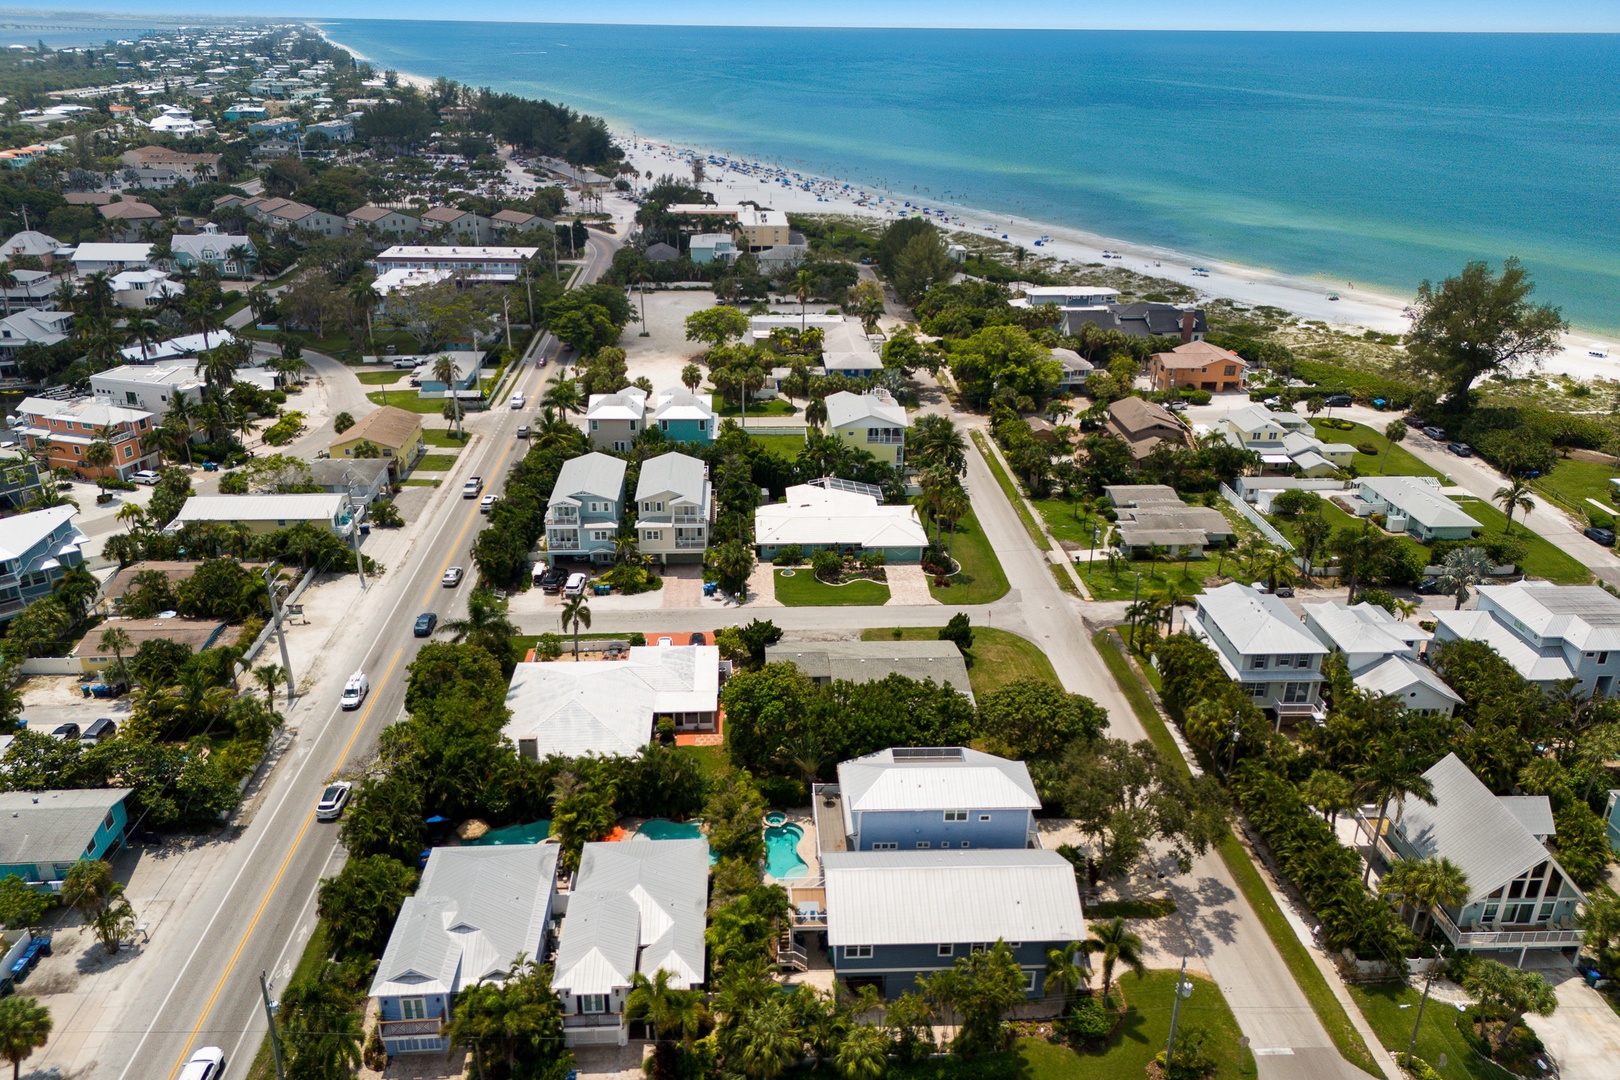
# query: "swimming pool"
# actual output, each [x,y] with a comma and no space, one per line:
[664,829]
[782,860]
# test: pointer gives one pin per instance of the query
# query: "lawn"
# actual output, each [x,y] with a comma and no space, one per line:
[1392,1010]
[400,399]
[436,463]
[774,407]
[1572,482]
[1309,978]
[980,579]
[787,446]
[803,590]
[1009,489]
[999,656]
[421,482]
[386,377]
[1156,576]
[444,438]
[1541,559]
[1399,462]
[1060,522]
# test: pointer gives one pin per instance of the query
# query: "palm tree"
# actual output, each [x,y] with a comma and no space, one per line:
[804,287]
[1394,432]
[936,440]
[115,639]
[1462,569]
[564,396]
[1117,946]
[444,370]
[1390,775]
[815,413]
[691,377]
[320,1026]
[1065,974]
[1173,596]
[269,676]
[671,1012]
[217,368]
[99,456]
[1425,884]
[200,317]
[1516,496]
[143,329]
[576,611]
[25,1026]
[863,1053]
[488,627]
[768,1041]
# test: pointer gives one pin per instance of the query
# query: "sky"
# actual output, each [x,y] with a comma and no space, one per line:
[1565,16]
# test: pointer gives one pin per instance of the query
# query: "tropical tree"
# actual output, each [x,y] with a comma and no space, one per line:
[1479,323]
[269,676]
[1425,884]
[1462,569]
[766,1041]
[565,397]
[980,989]
[863,1053]
[815,413]
[488,627]
[691,377]
[1387,776]
[1394,431]
[1509,993]
[1065,973]
[673,1013]
[98,456]
[115,639]
[1116,945]
[733,561]
[444,371]
[518,1018]
[1516,496]
[582,813]
[319,1025]
[576,611]
[25,1026]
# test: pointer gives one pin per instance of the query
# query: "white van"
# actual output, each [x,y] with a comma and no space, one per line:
[576,584]
[355,690]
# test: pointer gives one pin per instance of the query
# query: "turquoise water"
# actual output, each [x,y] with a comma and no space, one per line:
[782,860]
[662,829]
[1377,158]
[532,833]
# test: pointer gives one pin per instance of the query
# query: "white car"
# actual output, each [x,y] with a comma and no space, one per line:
[576,584]
[207,1063]
[452,577]
[355,690]
[472,487]
[486,503]
[147,477]
[517,401]
[330,808]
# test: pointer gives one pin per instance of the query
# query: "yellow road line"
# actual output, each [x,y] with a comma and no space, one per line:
[460,536]
[276,881]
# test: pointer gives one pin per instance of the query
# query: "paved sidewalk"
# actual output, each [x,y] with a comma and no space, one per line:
[908,586]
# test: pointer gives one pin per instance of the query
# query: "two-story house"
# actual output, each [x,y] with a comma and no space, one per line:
[64,430]
[1142,425]
[475,912]
[871,421]
[893,917]
[674,505]
[1284,440]
[152,387]
[1197,364]
[232,255]
[587,503]
[613,421]
[456,225]
[1549,633]
[1519,897]
[921,798]
[27,327]
[1382,654]
[1264,648]
[1076,370]
[36,549]
[684,417]
[633,909]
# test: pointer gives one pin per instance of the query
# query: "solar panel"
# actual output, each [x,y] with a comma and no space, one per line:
[928,753]
[835,483]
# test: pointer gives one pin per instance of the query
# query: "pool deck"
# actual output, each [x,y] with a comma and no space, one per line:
[806,848]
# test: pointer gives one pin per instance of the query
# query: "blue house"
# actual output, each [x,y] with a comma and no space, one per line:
[929,798]
[895,916]
[684,417]
[476,911]
[36,549]
[273,128]
[467,364]
[587,503]
[46,832]
[246,112]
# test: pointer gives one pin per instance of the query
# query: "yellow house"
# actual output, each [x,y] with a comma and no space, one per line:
[870,422]
[397,432]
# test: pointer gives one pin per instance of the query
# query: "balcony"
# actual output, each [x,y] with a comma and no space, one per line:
[886,440]
[592,1020]
[400,1029]
[562,545]
[1314,711]
[1531,937]
[690,543]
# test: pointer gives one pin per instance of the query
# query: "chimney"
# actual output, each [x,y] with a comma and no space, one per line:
[1189,320]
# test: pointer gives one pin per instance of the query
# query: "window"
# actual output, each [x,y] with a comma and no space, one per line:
[946,950]
[1302,662]
[1030,975]
[131,397]
[978,948]
[107,822]
[1296,693]
[956,815]
[652,534]
[984,817]
[923,845]
[965,844]
[413,1008]
[594,424]
[1259,689]
[857,952]
[593,1003]
[1257,663]
[944,844]
[1603,658]
[885,845]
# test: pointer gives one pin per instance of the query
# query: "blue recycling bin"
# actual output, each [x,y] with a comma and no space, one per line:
[709,588]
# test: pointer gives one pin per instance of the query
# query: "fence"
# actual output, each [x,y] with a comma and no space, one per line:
[270,626]
[1267,529]
[53,665]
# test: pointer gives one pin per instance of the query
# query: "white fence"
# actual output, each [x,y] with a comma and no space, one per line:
[1267,530]
[53,665]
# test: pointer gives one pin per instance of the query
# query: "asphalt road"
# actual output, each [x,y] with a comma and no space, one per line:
[259,910]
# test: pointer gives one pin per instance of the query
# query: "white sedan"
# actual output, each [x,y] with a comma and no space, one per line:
[452,577]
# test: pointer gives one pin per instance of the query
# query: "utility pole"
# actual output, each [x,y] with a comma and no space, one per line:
[270,1015]
[354,536]
[276,611]
[1411,1047]
[1183,990]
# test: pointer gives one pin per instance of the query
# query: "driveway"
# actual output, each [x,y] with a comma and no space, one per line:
[1583,1036]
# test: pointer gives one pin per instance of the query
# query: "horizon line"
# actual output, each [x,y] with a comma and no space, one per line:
[319,19]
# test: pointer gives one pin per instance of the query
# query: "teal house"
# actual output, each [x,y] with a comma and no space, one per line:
[684,417]
[46,832]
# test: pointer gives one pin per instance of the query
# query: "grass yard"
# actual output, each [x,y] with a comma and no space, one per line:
[1156,576]
[1060,522]
[774,407]
[400,399]
[1304,970]
[1541,559]
[803,590]
[1572,482]
[1398,462]
[1392,1010]
[444,438]
[436,463]
[980,579]
[1009,489]
[999,656]
[420,482]
[386,377]
[787,446]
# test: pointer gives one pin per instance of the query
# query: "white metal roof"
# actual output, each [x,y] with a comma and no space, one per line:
[112,253]
[595,473]
[1584,615]
[1419,498]
[260,508]
[20,533]
[608,706]
[627,404]
[814,515]
[475,911]
[84,410]
[940,897]
[634,907]
[673,474]
[935,778]
[1471,827]
[681,405]
[1365,628]
[1539,665]
[847,408]
[1256,623]
[1398,676]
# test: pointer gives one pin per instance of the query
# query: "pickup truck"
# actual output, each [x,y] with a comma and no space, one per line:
[472,487]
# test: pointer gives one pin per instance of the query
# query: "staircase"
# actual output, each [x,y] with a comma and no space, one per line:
[789,957]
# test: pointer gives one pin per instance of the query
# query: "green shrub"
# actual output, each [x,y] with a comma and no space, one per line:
[1417,1068]
[233,483]
[1366,448]
[828,565]
[792,555]
[1088,1021]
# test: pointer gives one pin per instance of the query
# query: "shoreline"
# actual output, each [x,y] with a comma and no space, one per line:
[1308,298]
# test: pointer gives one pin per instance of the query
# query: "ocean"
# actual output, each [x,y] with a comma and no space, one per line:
[1380,159]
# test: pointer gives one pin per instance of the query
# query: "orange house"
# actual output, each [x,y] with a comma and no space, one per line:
[1197,364]
[63,430]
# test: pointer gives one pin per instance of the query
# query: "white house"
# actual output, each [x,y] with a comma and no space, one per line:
[152,387]
[1284,440]
[674,504]
[479,263]
[1263,647]
[840,516]
[1076,369]
[266,513]
[613,421]
[1547,632]
[144,288]
[612,706]
[110,258]
[1416,505]
[1382,654]
[1070,295]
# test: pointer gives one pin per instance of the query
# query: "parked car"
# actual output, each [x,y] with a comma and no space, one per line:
[1427,587]
[472,487]
[1337,401]
[551,580]
[66,732]
[576,584]
[1461,449]
[486,504]
[333,800]
[103,728]
[1284,590]
[1600,536]
[147,477]
[452,577]
[425,623]
[1438,434]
